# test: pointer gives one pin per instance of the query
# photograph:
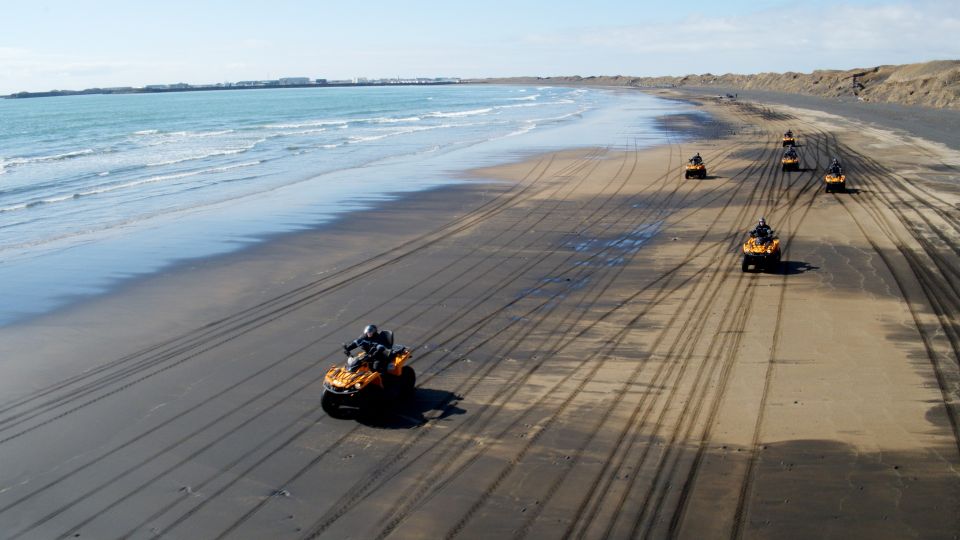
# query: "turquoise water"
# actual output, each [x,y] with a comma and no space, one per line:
[95,190]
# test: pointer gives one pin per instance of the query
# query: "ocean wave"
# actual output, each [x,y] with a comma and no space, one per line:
[367,138]
[310,124]
[458,114]
[520,105]
[413,129]
[18,161]
[530,126]
[108,188]
[302,132]
[534,97]
[218,153]
[391,120]
[13,208]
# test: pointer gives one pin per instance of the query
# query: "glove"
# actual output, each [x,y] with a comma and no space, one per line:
[346,350]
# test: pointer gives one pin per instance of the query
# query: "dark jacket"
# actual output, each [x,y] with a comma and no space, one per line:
[376,346]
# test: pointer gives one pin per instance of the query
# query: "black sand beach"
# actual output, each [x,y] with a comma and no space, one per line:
[591,360]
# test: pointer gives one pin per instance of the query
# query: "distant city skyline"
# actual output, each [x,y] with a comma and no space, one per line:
[55,44]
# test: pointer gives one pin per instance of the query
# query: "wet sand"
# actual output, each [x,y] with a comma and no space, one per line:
[592,362]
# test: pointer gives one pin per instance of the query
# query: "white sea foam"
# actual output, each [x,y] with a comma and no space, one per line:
[108,188]
[311,124]
[390,120]
[17,161]
[13,208]
[458,114]
[527,128]
[406,131]
[303,132]
[360,138]
[218,153]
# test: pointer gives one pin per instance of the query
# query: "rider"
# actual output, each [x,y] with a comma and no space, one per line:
[791,152]
[696,160]
[375,344]
[788,134]
[762,230]
[835,167]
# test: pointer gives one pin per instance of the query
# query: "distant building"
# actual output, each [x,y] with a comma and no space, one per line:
[179,86]
[289,81]
[321,81]
[157,86]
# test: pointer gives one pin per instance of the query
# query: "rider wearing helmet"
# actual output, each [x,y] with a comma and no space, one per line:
[376,344]
[835,167]
[762,230]
[696,160]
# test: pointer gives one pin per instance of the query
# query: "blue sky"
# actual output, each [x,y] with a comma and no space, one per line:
[57,44]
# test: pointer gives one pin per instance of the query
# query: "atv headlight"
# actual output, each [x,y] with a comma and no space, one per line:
[357,386]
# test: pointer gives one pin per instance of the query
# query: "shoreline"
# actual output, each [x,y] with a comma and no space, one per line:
[581,320]
[443,170]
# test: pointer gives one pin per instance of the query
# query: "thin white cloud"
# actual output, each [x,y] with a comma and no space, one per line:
[889,29]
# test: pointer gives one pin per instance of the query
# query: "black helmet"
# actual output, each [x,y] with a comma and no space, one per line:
[370,329]
[762,222]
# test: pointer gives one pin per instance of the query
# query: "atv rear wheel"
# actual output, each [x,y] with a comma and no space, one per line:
[745,265]
[408,381]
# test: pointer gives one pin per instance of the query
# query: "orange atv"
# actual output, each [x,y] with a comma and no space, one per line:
[790,162]
[835,182]
[355,388]
[698,170]
[761,252]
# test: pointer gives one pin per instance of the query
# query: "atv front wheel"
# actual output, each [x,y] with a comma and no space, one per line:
[330,403]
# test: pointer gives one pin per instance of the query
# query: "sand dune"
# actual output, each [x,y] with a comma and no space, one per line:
[930,84]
